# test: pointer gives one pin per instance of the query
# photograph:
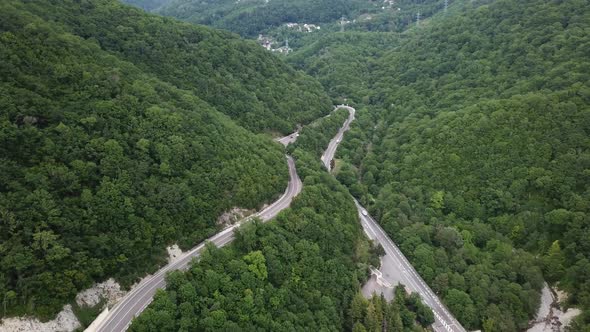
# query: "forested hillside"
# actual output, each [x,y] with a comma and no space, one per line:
[237,77]
[273,19]
[122,132]
[105,158]
[299,272]
[343,62]
[147,4]
[249,18]
[474,154]
[315,137]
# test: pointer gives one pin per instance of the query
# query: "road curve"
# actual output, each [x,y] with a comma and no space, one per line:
[134,302]
[328,155]
[395,267]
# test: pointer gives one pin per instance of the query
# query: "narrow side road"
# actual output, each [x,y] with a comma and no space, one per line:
[395,268]
[120,317]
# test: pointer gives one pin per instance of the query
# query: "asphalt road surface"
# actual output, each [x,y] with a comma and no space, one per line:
[333,145]
[395,268]
[120,317]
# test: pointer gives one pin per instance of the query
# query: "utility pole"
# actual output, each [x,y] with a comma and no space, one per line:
[342,24]
[418,19]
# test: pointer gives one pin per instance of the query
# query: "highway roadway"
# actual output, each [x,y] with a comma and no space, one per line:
[395,268]
[333,145]
[134,302]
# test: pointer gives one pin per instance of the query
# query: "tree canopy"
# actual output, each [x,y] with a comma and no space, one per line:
[473,149]
[237,77]
[113,145]
[301,271]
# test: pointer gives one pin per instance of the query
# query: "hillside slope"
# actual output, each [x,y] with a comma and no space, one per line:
[148,5]
[249,18]
[480,154]
[301,272]
[237,77]
[280,21]
[103,162]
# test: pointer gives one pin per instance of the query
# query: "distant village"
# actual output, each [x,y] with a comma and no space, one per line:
[269,43]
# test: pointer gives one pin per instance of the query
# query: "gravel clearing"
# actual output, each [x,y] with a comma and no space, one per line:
[174,253]
[372,287]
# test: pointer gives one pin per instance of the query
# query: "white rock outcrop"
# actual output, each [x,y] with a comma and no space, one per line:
[109,290]
[65,321]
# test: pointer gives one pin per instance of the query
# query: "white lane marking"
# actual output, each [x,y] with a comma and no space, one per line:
[148,292]
[409,281]
[421,286]
[185,259]
[367,222]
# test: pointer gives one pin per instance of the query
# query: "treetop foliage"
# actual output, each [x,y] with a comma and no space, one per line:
[113,143]
[474,154]
[237,77]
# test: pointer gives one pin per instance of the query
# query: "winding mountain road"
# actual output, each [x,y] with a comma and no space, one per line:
[395,267]
[328,155]
[134,302]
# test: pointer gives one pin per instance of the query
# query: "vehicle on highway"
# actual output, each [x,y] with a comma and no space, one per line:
[364,212]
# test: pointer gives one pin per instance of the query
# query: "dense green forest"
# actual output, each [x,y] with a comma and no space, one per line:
[105,158]
[404,313]
[301,271]
[474,155]
[148,5]
[343,62]
[237,77]
[315,137]
[471,147]
[249,18]
[471,144]
[254,17]
[339,57]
